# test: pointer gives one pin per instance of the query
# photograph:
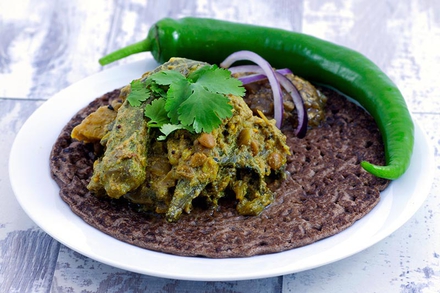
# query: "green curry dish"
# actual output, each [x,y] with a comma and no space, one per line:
[197,102]
[237,161]
[163,167]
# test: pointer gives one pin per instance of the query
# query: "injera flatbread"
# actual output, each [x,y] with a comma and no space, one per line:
[326,192]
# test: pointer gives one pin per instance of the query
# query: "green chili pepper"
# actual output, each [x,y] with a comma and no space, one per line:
[314,59]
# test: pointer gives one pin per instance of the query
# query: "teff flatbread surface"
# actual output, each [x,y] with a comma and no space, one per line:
[325,192]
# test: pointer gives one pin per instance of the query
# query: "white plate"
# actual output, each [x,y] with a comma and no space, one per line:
[38,196]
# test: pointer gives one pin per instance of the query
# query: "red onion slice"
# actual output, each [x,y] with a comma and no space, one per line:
[247,79]
[244,69]
[286,83]
[268,71]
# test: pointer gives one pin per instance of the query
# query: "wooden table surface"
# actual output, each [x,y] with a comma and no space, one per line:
[46,46]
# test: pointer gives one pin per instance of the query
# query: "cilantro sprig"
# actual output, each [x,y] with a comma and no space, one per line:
[197,102]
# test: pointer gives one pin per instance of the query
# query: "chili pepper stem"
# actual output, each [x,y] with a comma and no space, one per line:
[139,47]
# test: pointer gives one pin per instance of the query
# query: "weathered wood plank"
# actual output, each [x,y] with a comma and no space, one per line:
[27,261]
[43,44]
[46,46]
[77,273]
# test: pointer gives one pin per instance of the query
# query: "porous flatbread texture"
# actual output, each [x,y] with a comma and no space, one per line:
[325,192]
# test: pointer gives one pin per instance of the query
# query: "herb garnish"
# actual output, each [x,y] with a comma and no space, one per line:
[197,103]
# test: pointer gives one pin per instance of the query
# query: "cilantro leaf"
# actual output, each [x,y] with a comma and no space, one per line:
[157,90]
[139,93]
[204,110]
[197,103]
[157,113]
[167,77]
[217,80]
[166,129]
[178,92]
